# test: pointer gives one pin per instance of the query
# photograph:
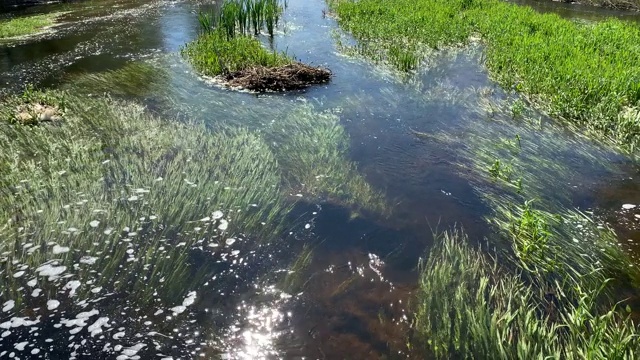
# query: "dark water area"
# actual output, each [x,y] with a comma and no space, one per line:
[351,299]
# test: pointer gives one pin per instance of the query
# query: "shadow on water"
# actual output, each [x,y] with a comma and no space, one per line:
[352,293]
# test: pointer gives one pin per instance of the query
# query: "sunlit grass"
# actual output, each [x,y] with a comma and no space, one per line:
[586,73]
[214,54]
[137,194]
[27,25]
[470,307]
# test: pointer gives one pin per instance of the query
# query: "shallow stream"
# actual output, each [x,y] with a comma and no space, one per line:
[351,300]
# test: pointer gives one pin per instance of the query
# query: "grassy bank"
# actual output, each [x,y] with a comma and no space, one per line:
[27,25]
[587,73]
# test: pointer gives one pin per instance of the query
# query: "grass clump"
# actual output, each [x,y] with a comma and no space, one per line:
[28,25]
[587,73]
[226,50]
[214,54]
[469,307]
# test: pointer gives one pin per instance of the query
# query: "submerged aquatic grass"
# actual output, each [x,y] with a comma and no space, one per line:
[133,79]
[115,208]
[312,147]
[27,25]
[469,307]
[586,73]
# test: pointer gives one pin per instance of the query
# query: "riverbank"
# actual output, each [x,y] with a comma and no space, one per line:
[584,73]
[25,25]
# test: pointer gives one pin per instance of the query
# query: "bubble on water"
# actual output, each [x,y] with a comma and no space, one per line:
[20,346]
[72,230]
[96,289]
[628,206]
[224,224]
[52,304]
[230,241]
[307,226]
[118,335]
[94,223]
[32,282]
[141,191]
[108,231]
[36,292]
[72,286]
[52,272]
[5,334]
[133,198]
[35,351]
[217,215]
[8,305]
[57,249]
[89,260]
[18,274]
[96,328]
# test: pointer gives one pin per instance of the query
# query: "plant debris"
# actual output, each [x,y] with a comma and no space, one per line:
[280,78]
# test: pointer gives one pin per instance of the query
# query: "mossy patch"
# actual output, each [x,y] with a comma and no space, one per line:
[23,26]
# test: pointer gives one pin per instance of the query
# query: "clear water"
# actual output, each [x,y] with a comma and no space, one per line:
[357,287]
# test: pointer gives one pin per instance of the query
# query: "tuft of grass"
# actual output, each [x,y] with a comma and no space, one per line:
[469,307]
[214,54]
[586,73]
[28,25]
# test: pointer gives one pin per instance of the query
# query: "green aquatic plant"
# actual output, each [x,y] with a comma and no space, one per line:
[137,79]
[27,25]
[469,307]
[562,247]
[134,194]
[312,150]
[586,73]
[243,16]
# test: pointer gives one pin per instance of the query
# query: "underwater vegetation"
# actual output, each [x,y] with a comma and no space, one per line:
[312,147]
[585,73]
[470,307]
[106,211]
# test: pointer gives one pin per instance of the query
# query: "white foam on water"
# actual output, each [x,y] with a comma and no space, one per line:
[8,305]
[52,304]
[57,249]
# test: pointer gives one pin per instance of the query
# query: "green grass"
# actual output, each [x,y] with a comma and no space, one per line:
[213,54]
[22,26]
[468,307]
[244,16]
[587,73]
